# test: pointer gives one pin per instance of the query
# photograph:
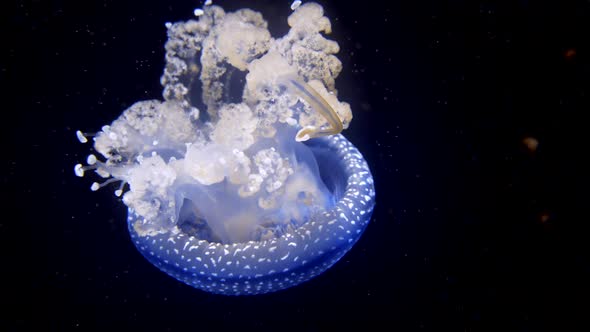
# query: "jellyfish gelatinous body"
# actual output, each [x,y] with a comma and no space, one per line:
[260,192]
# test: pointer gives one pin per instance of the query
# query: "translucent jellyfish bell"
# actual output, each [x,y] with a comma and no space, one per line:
[254,195]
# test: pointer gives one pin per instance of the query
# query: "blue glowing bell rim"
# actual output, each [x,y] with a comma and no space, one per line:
[273,264]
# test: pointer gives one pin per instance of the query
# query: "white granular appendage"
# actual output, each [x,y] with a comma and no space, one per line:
[221,146]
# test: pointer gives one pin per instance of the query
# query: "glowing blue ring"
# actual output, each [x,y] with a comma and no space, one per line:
[271,265]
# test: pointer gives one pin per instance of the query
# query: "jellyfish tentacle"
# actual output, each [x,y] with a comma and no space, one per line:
[297,86]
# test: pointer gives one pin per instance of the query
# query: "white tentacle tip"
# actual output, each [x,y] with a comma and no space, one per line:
[79,170]
[81,137]
[91,159]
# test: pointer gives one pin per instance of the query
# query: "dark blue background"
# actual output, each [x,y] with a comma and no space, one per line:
[472,231]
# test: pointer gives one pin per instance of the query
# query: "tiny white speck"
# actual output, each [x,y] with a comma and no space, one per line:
[198,12]
[295,5]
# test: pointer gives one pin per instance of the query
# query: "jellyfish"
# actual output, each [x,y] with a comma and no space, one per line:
[239,182]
